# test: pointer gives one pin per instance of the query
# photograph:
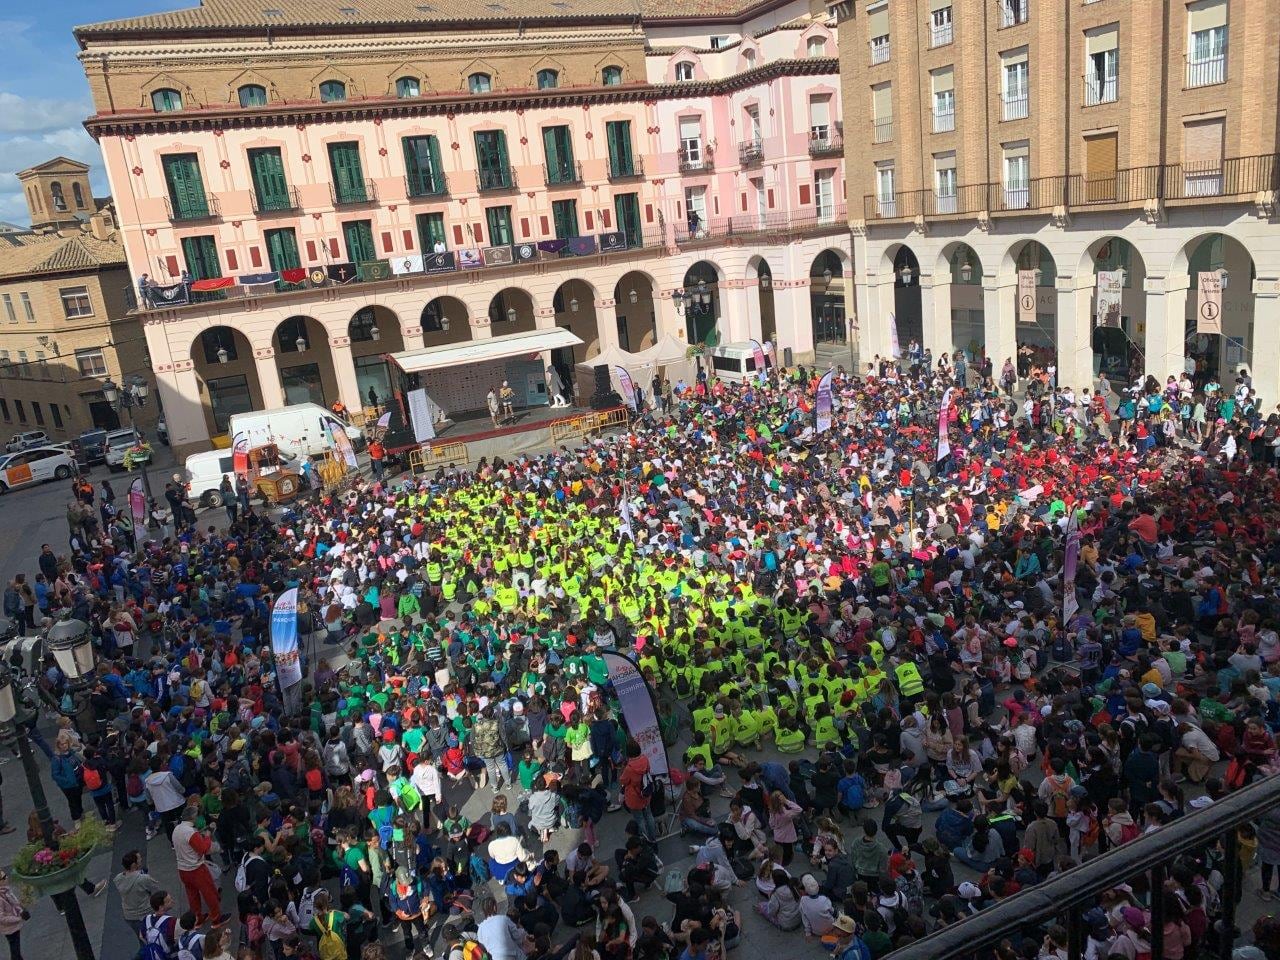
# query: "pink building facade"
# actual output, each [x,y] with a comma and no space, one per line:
[291,252]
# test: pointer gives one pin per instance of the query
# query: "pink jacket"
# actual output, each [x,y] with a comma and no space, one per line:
[783,823]
[10,911]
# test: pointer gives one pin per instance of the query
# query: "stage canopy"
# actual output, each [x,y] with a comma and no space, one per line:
[668,351]
[477,351]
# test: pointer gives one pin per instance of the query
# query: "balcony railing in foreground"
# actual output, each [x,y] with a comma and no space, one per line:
[745,226]
[1064,899]
[1241,178]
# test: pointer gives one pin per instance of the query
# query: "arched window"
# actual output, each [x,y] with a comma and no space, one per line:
[253,95]
[59,201]
[817,46]
[479,83]
[684,71]
[408,87]
[78,192]
[548,79]
[166,101]
[291,336]
[749,58]
[332,91]
[363,327]
[612,76]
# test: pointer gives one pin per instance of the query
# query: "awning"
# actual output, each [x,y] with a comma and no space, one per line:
[668,350]
[478,351]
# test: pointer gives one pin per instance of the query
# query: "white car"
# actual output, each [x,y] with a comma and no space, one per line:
[118,443]
[33,466]
[25,441]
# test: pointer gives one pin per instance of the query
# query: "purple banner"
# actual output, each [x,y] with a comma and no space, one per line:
[627,387]
[822,409]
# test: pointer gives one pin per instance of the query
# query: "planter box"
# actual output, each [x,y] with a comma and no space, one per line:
[59,881]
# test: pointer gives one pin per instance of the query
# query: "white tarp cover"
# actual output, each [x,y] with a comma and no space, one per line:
[494,348]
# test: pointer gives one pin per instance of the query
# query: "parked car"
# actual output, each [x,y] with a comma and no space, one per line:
[119,442]
[25,441]
[162,430]
[28,467]
[91,446]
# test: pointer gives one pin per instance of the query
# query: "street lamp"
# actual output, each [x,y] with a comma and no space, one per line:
[573,304]
[633,296]
[511,314]
[1225,276]
[905,273]
[374,333]
[301,344]
[72,647]
[16,722]
[134,394]
[966,272]
[223,355]
[766,281]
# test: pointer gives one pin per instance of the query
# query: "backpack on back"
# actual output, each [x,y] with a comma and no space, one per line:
[156,945]
[92,778]
[1058,797]
[474,950]
[331,946]
[191,946]
[242,879]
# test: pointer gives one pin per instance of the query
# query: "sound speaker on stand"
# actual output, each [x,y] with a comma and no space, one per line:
[604,396]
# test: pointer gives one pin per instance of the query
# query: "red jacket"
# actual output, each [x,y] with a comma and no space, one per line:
[632,781]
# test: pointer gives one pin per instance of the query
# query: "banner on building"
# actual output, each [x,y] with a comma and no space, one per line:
[420,416]
[258,279]
[213,283]
[627,387]
[1110,289]
[342,445]
[1026,296]
[1209,310]
[757,351]
[170,296]
[524,252]
[497,256]
[638,712]
[822,408]
[469,258]
[342,272]
[374,270]
[613,241]
[944,422]
[579,247]
[294,275]
[440,262]
[407,264]
[284,639]
[138,506]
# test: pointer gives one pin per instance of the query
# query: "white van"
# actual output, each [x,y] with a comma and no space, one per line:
[734,361]
[204,473]
[301,429]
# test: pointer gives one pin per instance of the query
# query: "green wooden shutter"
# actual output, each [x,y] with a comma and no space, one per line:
[359,237]
[499,219]
[282,249]
[269,181]
[431,229]
[626,208]
[564,213]
[564,144]
[348,177]
[186,188]
[201,254]
[504,162]
[618,134]
[437,168]
[417,165]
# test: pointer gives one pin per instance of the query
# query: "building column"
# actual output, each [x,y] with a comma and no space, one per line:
[999,328]
[1264,359]
[344,372]
[1165,345]
[264,361]
[670,320]
[181,396]
[875,304]
[751,303]
[935,314]
[413,337]
[1075,332]
[734,313]
[480,328]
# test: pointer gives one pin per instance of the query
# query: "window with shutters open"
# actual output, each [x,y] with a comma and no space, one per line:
[557,145]
[564,217]
[820,119]
[878,33]
[626,209]
[201,256]
[1102,65]
[499,220]
[1100,168]
[282,251]
[1202,142]
[431,234]
[1015,95]
[618,137]
[491,159]
[348,174]
[944,99]
[270,188]
[691,143]
[422,166]
[186,188]
[359,237]
[1206,43]
[941,31]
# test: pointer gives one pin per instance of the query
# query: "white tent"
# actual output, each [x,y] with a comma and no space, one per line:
[669,353]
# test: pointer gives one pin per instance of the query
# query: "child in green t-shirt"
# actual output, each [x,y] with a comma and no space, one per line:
[528,770]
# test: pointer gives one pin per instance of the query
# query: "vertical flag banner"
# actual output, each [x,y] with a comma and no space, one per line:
[758,352]
[1110,288]
[138,506]
[240,453]
[636,701]
[342,445]
[822,409]
[284,638]
[1070,605]
[384,421]
[1026,296]
[624,514]
[1209,314]
[627,387]
[893,330]
[944,439]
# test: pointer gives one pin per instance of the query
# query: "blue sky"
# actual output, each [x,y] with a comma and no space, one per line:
[43,95]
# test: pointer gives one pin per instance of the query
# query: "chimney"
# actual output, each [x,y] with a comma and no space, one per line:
[100,227]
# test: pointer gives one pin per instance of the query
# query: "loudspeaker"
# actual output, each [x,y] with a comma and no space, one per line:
[604,396]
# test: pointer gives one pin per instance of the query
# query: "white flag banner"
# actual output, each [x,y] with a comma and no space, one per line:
[409,264]
[1109,291]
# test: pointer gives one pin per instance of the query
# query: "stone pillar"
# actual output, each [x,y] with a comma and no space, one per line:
[735,320]
[751,303]
[999,322]
[935,313]
[264,361]
[413,337]
[875,304]
[1075,331]
[1165,345]
[344,372]
[670,321]
[1264,359]
[481,328]
[181,396]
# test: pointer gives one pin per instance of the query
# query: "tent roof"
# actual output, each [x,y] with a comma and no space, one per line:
[666,351]
[493,348]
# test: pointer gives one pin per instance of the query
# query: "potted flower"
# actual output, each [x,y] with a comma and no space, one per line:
[138,455]
[49,870]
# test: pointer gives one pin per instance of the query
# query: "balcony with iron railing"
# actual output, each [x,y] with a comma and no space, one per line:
[944,122]
[202,206]
[1242,178]
[628,168]
[829,144]
[1015,107]
[426,184]
[562,174]
[268,203]
[1206,71]
[492,179]
[1100,90]
[362,191]
[940,34]
[882,131]
[694,162]
[821,217]
[1012,12]
[879,50]
[750,153]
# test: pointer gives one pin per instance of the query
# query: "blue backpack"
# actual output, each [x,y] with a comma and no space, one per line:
[857,950]
[853,791]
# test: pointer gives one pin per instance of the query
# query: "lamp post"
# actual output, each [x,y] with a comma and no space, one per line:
[72,648]
[133,394]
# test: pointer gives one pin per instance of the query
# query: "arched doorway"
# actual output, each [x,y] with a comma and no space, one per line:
[962,272]
[228,376]
[827,307]
[637,313]
[1035,325]
[511,311]
[1219,355]
[908,314]
[304,361]
[574,303]
[1116,343]
[374,332]
[444,320]
[699,300]
[762,313]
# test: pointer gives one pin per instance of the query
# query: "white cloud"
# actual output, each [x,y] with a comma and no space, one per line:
[29,115]
[22,151]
